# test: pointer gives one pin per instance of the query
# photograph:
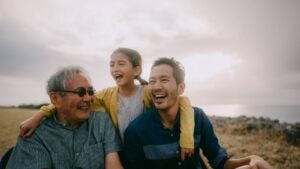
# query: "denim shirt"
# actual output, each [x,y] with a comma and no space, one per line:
[148,144]
[57,146]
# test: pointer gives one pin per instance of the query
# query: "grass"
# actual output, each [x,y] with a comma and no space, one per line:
[273,149]
[10,119]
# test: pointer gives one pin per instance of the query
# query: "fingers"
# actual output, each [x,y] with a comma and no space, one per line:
[28,133]
[259,163]
[24,132]
[21,132]
[182,155]
[186,152]
[253,166]
[244,167]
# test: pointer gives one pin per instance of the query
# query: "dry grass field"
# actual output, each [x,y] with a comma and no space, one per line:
[277,152]
[10,119]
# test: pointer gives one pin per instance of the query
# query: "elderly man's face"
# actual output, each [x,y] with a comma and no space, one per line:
[163,87]
[72,107]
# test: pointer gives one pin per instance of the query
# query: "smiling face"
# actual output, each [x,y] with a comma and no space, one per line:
[122,70]
[164,89]
[71,107]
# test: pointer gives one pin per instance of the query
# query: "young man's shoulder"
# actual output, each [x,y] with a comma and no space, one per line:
[199,111]
[200,116]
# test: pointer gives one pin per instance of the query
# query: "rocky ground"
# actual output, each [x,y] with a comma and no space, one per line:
[278,143]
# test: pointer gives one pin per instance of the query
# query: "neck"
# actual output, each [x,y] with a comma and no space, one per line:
[127,90]
[62,118]
[168,116]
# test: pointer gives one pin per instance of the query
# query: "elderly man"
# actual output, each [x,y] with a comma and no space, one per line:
[74,137]
[151,140]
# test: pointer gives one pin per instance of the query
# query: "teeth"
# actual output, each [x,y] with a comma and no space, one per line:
[118,77]
[159,96]
[84,105]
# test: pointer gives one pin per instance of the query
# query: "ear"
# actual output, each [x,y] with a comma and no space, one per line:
[181,87]
[56,99]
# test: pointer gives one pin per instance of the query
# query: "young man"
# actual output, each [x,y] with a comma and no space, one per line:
[151,140]
[74,137]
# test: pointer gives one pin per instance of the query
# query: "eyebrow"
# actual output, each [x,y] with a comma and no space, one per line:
[163,76]
[118,61]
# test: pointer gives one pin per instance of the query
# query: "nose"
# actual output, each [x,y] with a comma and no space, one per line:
[114,68]
[87,97]
[156,86]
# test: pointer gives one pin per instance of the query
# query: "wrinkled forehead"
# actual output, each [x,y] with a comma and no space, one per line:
[77,80]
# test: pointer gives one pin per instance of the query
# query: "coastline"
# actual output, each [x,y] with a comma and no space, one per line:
[282,113]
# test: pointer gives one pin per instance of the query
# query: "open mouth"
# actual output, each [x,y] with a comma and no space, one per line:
[118,77]
[84,106]
[159,96]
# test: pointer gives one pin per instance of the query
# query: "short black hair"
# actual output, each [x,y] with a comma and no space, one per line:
[178,69]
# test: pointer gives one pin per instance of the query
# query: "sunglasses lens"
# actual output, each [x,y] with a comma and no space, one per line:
[81,91]
[90,91]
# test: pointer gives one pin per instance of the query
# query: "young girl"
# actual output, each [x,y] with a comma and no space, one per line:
[126,101]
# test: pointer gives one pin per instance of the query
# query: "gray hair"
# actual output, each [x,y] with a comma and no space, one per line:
[59,80]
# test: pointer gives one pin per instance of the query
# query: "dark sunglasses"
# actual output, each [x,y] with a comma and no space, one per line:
[81,91]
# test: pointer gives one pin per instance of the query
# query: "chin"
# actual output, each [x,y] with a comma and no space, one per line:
[84,117]
[160,107]
[85,114]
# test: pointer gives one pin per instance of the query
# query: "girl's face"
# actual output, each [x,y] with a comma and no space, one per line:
[122,70]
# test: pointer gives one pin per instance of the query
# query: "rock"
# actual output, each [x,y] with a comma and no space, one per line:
[272,128]
[292,134]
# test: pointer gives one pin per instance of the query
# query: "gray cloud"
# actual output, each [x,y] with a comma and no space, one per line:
[266,38]
[263,35]
[23,55]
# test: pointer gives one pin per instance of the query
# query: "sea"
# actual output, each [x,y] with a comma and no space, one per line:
[283,113]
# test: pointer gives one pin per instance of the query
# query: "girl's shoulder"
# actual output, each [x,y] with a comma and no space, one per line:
[108,90]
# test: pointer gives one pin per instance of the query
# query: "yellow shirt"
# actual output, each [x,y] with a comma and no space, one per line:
[107,100]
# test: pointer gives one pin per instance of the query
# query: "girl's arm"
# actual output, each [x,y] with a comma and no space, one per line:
[28,126]
[187,125]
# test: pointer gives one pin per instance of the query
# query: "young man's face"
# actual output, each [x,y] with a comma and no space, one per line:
[163,87]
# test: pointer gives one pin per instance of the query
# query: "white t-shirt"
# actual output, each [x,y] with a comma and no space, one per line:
[129,108]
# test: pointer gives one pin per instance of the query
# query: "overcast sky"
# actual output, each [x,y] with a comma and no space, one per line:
[234,52]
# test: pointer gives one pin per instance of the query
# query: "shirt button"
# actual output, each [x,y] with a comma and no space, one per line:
[179,163]
[177,152]
[171,134]
[77,154]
